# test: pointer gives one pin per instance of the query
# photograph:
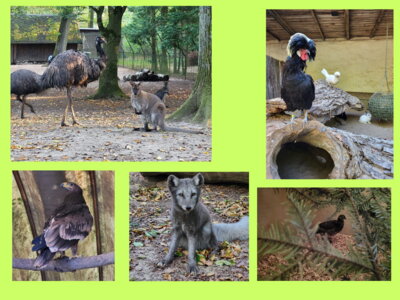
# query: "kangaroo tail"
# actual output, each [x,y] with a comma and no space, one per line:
[174,129]
[232,231]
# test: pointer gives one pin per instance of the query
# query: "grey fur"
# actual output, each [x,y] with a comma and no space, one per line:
[152,110]
[191,222]
[24,82]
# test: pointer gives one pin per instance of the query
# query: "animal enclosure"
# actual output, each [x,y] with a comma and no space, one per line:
[226,197]
[36,197]
[324,234]
[337,143]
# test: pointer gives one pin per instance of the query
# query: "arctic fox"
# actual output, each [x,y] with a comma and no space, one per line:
[191,222]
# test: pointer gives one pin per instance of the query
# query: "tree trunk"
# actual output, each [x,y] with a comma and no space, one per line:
[314,151]
[164,59]
[198,106]
[153,38]
[91,17]
[62,39]
[108,82]
[175,62]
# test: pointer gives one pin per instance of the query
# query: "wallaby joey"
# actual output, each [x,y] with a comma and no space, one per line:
[151,109]
[191,222]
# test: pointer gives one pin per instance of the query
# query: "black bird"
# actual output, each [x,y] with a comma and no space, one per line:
[70,223]
[163,92]
[24,82]
[73,68]
[331,227]
[298,89]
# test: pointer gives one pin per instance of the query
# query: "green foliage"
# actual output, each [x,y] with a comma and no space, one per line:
[162,30]
[295,240]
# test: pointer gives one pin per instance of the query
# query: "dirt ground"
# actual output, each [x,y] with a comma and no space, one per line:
[150,232]
[105,130]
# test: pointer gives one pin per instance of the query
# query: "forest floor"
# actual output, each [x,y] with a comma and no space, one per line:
[269,265]
[105,131]
[150,233]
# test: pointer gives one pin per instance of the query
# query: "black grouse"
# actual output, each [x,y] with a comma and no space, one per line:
[298,89]
[331,227]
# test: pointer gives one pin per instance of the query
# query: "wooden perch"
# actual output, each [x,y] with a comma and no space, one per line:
[146,75]
[66,264]
[341,154]
[329,102]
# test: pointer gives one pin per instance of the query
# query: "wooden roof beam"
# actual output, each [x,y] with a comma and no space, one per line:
[347,23]
[273,35]
[282,22]
[318,24]
[377,23]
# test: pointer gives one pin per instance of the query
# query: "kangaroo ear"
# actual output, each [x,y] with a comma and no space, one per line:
[172,181]
[131,83]
[198,179]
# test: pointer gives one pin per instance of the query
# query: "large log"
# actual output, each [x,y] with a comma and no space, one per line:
[209,177]
[146,75]
[329,102]
[313,150]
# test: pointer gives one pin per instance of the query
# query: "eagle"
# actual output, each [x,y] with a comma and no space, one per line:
[70,223]
[331,227]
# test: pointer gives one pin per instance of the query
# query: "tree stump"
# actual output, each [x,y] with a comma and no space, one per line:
[329,102]
[312,150]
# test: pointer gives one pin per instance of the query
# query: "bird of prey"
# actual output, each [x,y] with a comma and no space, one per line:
[331,227]
[70,223]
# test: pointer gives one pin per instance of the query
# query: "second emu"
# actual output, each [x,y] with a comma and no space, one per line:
[24,82]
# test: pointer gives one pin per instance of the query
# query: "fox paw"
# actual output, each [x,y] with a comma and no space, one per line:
[165,262]
[192,269]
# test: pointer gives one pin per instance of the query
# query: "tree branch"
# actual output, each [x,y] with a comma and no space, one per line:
[99,15]
[66,264]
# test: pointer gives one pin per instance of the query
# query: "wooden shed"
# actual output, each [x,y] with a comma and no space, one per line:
[33,37]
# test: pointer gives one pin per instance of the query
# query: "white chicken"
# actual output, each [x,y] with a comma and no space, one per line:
[365,118]
[331,79]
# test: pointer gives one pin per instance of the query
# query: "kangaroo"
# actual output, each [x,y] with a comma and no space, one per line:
[152,110]
[191,222]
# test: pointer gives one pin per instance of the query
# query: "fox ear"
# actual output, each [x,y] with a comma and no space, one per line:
[198,179]
[172,181]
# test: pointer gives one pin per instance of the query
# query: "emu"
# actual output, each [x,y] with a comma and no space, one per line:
[73,68]
[24,82]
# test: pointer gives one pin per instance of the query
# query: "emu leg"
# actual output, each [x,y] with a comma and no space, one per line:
[65,113]
[27,104]
[74,121]
[22,105]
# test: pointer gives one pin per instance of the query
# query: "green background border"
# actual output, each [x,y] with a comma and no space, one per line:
[238,78]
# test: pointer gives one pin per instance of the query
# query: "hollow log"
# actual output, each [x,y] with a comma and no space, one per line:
[209,177]
[313,150]
[329,102]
